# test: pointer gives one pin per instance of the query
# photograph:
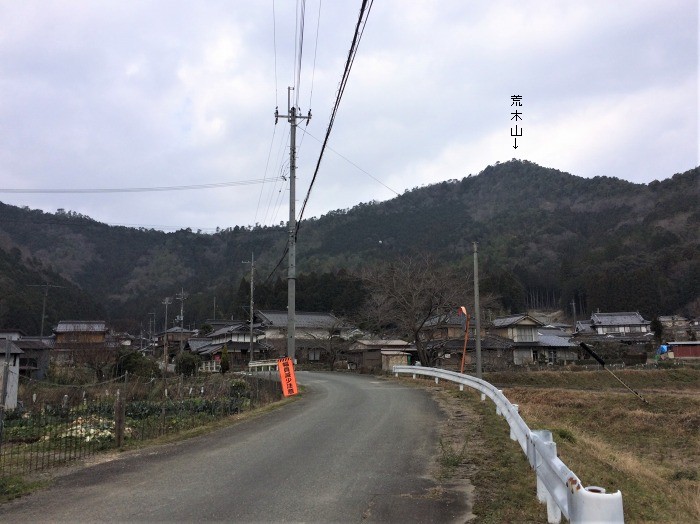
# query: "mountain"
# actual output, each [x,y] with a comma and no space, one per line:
[545,238]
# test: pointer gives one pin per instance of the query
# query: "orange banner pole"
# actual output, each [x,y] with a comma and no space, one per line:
[464,351]
[285,366]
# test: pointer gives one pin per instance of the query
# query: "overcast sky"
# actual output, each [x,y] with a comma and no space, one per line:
[156,94]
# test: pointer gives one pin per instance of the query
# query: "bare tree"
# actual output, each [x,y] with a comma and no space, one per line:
[410,294]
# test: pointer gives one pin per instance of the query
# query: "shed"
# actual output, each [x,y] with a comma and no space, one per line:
[394,357]
[689,350]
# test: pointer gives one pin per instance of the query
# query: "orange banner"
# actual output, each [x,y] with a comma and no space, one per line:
[289,382]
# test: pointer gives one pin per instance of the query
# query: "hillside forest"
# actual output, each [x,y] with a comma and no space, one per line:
[546,240]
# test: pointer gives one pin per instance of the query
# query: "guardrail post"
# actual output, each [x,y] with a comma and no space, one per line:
[513,436]
[498,407]
[543,494]
[461,387]
[437,380]
[593,504]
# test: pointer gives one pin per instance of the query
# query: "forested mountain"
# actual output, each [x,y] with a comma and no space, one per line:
[546,238]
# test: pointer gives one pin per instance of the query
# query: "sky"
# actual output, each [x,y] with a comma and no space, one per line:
[147,96]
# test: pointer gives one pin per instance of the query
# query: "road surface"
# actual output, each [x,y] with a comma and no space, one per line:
[354,449]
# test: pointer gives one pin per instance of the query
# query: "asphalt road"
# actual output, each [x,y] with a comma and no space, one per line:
[353,449]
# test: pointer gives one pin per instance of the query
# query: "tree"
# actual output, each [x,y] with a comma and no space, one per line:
[658,329]
[186,364]
[405,294]
[134,363]
[225,362]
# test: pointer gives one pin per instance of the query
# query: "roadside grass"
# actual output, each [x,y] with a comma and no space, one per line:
[17,486]
[605,434]
[651,452]
[505,485]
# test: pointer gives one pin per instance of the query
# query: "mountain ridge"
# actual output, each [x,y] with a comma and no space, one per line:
[541,232]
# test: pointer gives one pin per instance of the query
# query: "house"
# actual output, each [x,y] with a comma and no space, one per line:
[533,342]
[313,333]
[555,346]
[522,330]
[79,337]
[236,338]
[176,337]
[373,354]
[496,352]
[8,348]
[34,361]
[675,327]
[12,334]
[621,325]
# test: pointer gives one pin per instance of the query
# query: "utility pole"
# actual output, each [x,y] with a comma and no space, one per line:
[181,296]
[573,309]
[151,326]
[292,116]
[166,301]
[477,313]
[252,303]
[46,287]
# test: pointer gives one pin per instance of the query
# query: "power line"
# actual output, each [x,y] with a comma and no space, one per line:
[267,166]
[135,189]
[352,163]
[299,50]
[274,47]
[313,70]
[359,31]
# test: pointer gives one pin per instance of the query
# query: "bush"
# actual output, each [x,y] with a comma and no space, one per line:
[187,364]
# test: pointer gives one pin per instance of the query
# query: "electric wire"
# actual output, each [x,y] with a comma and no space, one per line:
[274,48]
[359,31]
[357,37]
[267,166]
[301,19]
[133,189]
[351,163]
[313,69]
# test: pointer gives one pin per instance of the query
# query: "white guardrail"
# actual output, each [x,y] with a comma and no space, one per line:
[557,485]
[262,365]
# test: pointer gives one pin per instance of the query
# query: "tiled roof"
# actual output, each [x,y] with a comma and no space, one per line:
[618,319]
[303,320]
[14,350]
[232,328]
[69,326]
[513,320]
[555,341]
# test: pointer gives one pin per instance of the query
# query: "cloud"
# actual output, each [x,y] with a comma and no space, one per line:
[136,94]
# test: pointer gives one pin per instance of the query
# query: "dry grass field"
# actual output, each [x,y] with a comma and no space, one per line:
[604,433]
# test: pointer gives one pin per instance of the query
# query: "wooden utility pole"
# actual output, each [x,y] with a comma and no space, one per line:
[477,313]
[46,287]
[181,296]
[166,301]
[292,117]
[252,303]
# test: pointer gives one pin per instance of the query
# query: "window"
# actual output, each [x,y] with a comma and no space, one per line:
[524,334]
